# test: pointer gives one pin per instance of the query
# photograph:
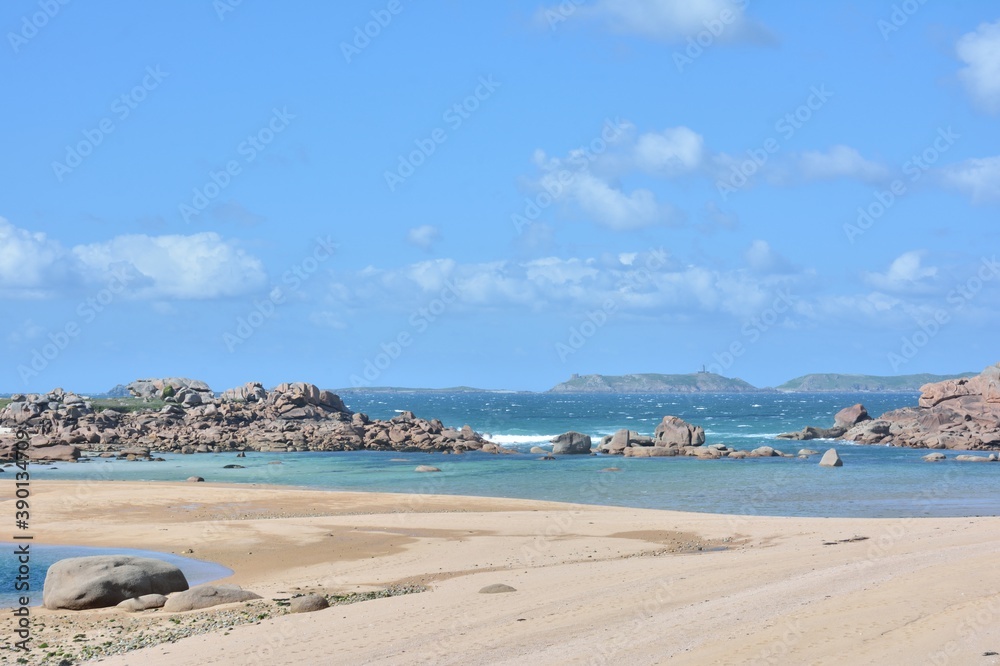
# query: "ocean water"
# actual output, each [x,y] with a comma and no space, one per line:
[42,557]
[874,482]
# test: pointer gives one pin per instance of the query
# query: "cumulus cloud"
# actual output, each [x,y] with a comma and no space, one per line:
[591,181]
[978,178]
[980,51]
[31,263]
[761,258]
[199,266]
[423,236]
[670,21]
[647,283]
[907,272]
[840,162]
[672,152]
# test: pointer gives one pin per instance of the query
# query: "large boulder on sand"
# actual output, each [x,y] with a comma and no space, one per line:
[678,433]
[206,596]
[99,581]
[308,604]
[571,442]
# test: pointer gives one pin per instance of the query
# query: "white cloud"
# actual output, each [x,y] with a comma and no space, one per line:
[613,208]
[840,162]
[906,273]
[423,236]
[673,152]
[198,266]
[762,258]
[980,51]
[644,284]
[31,264]
[590,182]
[978,178]
[672,20]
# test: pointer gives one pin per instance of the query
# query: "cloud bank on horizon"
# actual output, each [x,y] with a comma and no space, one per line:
[498,196]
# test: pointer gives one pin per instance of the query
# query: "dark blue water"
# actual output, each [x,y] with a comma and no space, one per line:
[874,482]
[42,557]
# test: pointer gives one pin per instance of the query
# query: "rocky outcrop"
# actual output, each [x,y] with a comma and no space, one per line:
[812,432]
[291,417]
[571,443]
[621,440]
[79,583]
[673,432]
[168,387]
[953,414]
[851,416]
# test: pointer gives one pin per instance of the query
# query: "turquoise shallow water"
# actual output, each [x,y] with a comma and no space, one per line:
[874,482]
[42,557]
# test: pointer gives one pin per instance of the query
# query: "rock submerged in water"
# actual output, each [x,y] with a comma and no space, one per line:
[426,468]
[934,457]
[100,581]
[831,459]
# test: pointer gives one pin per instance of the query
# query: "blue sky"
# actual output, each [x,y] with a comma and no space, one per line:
[496,194]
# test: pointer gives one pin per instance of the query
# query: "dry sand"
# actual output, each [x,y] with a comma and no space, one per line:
[595,585]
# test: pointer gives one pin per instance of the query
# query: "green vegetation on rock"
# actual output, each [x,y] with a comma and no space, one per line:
[874,383]
[697,382]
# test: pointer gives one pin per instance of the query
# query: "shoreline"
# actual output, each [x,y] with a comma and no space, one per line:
[649,584]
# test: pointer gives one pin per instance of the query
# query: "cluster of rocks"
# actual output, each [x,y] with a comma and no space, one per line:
[290,417]
[962,414]
[672,437]
[130,583]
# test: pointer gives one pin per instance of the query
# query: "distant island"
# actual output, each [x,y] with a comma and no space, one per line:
[832,382]
[695,382]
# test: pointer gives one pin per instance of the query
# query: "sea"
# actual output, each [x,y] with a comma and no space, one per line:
[874,482]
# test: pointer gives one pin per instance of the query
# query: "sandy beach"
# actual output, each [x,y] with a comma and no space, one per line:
[593,584]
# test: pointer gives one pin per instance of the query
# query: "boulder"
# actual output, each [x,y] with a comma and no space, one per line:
[764,452]
[426,468]
[206,596]
[831,459]
[571,443]
[99,581]
[308,604]
[145,602]
[676,432]
[934,457]
[851,416]
[195,479]
[497,588]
